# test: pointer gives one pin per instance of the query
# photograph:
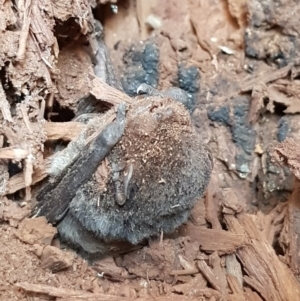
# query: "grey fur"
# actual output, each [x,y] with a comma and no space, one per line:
[160,192]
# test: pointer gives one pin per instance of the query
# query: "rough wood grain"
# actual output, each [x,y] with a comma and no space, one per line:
[66,131]
[290,236]
[266,273]
[265,78]
[4,105]
[104,92]
[224,242]
[64,294]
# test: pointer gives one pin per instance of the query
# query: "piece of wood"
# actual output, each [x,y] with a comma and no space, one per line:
[265,78]
[218,269]
[66,131]
[55,259]
[188,268]
[13,153]
[257,106]
[234,269]
[65,294]
[251,295]
[290,236]
[117,298]
[271,278]
[25,116]
[208,274]
[4,105]
[288,153]
[235,285]
[257,286]
[271,225]
[24,32]
[17,181]
[212,203]
[104,92]
[224,242]
[192,286]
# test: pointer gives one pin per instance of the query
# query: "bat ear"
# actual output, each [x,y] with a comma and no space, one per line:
[144,89]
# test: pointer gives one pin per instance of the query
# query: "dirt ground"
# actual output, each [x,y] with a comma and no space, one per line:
[239,62]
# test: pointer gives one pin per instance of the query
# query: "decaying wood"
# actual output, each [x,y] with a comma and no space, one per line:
[208,274]
[272,223]
[189,269]
[231,203]
[224,242]
[184,272]
[265,78]
[212,204]
[234,269]
[66,131]
[191,287]
[17,181]
[13,153]
[4,105]
[100,129]
[250,251]
[234,285]
[23,37]
[290,236]
[3,185]
[218,269]
[52,291]
[64,294]
[288,153]
[251,295]
[116,298]
[257,102]
[28,172]
[104,92]
[266,273]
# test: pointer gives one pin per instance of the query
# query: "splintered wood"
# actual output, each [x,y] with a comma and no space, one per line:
[288,153]
[227,254]
[103,91]
[31,58]
[4,105]
[241,265]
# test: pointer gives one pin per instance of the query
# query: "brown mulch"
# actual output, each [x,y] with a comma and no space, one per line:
[241,242]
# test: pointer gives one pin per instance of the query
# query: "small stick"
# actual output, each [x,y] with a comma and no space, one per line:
[66,131]
[24,32]
[161,238]
[13,153]
[208,274]
[103,91]
[4,105]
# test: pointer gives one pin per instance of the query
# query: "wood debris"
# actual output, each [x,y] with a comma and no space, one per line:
[48,60]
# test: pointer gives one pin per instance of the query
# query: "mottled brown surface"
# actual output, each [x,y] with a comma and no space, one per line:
[229,254]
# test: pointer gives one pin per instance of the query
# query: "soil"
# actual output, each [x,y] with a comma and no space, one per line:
[239,63]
